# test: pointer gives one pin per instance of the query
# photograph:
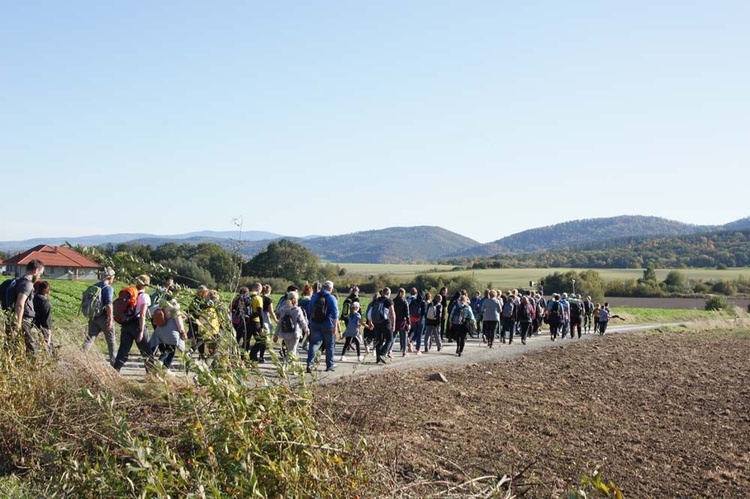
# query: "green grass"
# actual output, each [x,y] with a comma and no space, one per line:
[519,278]
[650,315]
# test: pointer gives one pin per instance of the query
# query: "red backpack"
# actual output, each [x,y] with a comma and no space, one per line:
[123,308]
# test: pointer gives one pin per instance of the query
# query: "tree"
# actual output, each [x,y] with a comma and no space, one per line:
[675,281]
[284,259]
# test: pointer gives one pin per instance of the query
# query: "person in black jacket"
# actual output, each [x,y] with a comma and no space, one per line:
[43,311]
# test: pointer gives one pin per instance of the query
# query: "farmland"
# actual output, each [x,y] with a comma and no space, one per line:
[517,278]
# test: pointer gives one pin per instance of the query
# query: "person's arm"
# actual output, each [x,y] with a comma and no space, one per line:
[143,309]
[20,304]
[393,322]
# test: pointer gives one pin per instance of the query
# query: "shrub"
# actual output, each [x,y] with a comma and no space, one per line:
[723,287]
[717,303]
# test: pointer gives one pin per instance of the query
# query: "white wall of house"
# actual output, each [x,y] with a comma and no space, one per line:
[60,273]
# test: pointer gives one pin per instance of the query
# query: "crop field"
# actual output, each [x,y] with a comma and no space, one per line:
[516,278]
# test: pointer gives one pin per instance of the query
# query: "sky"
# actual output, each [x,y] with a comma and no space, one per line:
[485,118]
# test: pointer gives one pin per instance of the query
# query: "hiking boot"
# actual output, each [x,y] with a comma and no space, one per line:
[308,370]
[342,358]
[330,369]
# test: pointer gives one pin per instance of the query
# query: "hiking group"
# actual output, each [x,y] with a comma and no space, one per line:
[310,319]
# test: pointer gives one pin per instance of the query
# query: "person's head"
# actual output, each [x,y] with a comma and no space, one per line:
[355,307]
[142,281]
[292,297]
[244,290]
[401,293]
[427,296]
[292,287]
[565,296]
[307,290]
[35,268]
[477,294]
[606,304]
[493,293]
[328,286]
[386,292]
[108,275]
[438,298]
[316,287]
[213,295]
[202,291]
[555,296]
[41,288]
[266,290]
[413,291]
[353,291]
[443,291]
[486,293]
[256,287]
[168,283]
[588,297]
[524,300]
[462,299]
[376,296]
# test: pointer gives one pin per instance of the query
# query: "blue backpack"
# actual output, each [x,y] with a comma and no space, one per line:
[8,293]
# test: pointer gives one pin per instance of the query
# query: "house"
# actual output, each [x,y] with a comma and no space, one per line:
[2,266]
[60,262]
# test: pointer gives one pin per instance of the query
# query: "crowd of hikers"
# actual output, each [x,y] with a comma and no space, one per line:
[308,319]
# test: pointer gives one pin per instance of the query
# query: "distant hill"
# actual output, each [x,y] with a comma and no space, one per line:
[741,224]
[580,232]
[139,238]
[422,244]
[730,248]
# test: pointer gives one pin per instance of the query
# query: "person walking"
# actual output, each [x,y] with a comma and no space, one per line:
[491,309]
[508,317]
[351,333]
[324,314]
[103,321]
[403,325]
[22,300]
[433,312]
[383,322]
[526,313]
[171,333]
[43,312]
[133,328]
[292,325]
[461,318]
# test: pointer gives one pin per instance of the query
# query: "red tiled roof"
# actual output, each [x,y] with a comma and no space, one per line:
[53,256]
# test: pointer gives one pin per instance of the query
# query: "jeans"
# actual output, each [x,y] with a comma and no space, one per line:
[351,340]
[525,331]
[509,324]
[324,336]
[417,328]
[432,333]
[128,336]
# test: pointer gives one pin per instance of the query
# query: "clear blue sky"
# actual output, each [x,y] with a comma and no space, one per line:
[483,117]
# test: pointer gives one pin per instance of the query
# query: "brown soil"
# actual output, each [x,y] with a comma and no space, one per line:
[662,414]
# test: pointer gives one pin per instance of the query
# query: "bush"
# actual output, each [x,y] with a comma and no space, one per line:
[717,303]
[74,429]
[723,287]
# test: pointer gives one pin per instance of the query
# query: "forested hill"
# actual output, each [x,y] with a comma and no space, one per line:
[585,231]
[423,244]
[728,248]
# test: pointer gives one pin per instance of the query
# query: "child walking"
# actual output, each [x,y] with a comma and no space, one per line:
[351,334]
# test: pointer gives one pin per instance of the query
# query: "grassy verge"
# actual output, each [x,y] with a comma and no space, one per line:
[650,315]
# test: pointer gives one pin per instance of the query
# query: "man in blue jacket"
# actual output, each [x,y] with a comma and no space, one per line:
[323,313]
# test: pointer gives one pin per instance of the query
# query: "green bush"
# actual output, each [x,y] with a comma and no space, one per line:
[717,303]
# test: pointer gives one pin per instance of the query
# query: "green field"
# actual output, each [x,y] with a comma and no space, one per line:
[518,278]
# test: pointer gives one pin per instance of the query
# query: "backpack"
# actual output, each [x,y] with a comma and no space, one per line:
[457,316]
[508,309]
[525,312]
[432,312]
[8,293]
[320,309]
[123,308]
[588,306]
[238,309]
[415,310]
[575,308]
[377,313]
[91,302]
[159,318]
[539,309]
[346,308]
[287,323]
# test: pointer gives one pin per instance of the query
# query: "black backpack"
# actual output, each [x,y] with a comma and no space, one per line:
[320,309]
[8,293]
[287,323]
[415,309]
[575,308]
